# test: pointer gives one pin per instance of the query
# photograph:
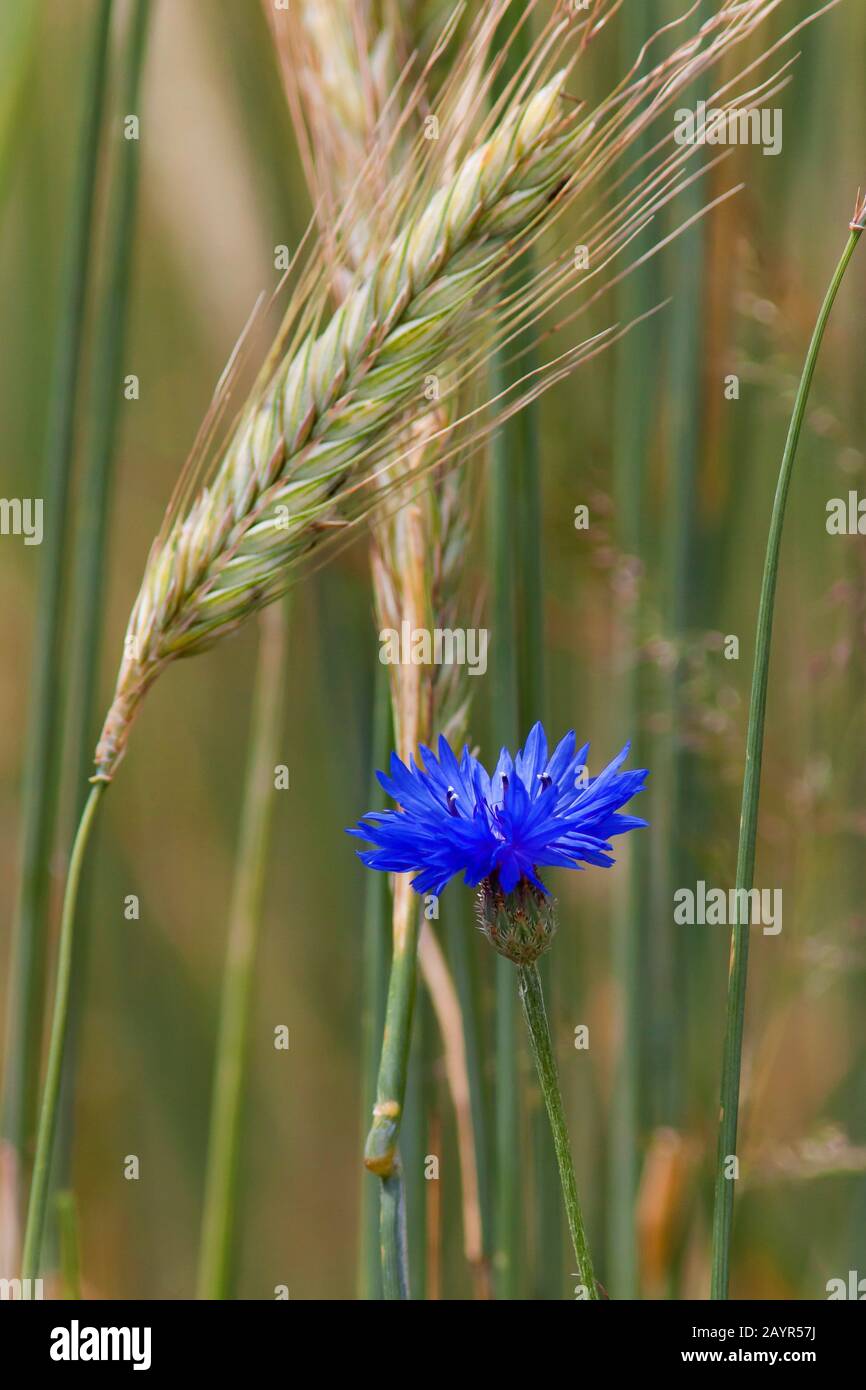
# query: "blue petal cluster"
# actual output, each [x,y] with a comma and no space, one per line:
[534,811]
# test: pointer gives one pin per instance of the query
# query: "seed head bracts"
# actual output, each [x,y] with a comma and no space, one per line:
[321,429]
[341,393]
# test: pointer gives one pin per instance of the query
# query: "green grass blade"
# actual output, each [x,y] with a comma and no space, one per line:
[395,1254]
[636,395]
[89,583]
[723,1211]
[70,1252]
[381,1154]
[48,1110]
[377,932]
[219,1221]
[27,977]
[414,1139]
[18,35]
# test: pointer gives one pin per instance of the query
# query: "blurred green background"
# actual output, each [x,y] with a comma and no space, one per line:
[679,483]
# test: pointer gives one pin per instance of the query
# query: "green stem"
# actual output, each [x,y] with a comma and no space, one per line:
[414,1144]
[109,336]
[27,977]
[230,1071]
[48,1112]
[731,1063]
[636,393]
[377,922]
[70,1255]
[395,1253]
[89,587]
[380,1154]
[532,998]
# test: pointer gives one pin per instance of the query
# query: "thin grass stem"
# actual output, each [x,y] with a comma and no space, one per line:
[109,337]
[377,924]
[90,558]
[219,1222]
[723,1211]
[414,1143]
[636,394]
[394,1248]
[47,1128]
[381,1155]
[27,976]
[69,1245]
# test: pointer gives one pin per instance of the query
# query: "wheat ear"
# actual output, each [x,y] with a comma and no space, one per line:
[330,401]
[304,456]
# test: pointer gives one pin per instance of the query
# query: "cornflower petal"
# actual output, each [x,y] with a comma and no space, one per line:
[452,818]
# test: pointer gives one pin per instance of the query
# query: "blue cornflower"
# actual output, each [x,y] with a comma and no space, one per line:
[533,812]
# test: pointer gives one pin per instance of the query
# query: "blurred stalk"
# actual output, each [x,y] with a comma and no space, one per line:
[635,394]
[686,394]
[90,557]
[47,1129]
[377,925]
[672,958]
[433,1204]
[18,34]
[732,1057]
[219,1220]
[41,777]
[413,1145]
[441,993]
[459,926]
[70,1254]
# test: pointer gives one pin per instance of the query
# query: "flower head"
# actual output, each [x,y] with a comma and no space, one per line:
[535,811]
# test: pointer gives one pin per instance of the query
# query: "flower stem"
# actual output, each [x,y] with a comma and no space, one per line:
[532,999]
[48,1110]
[732,1059]
[230,1069]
